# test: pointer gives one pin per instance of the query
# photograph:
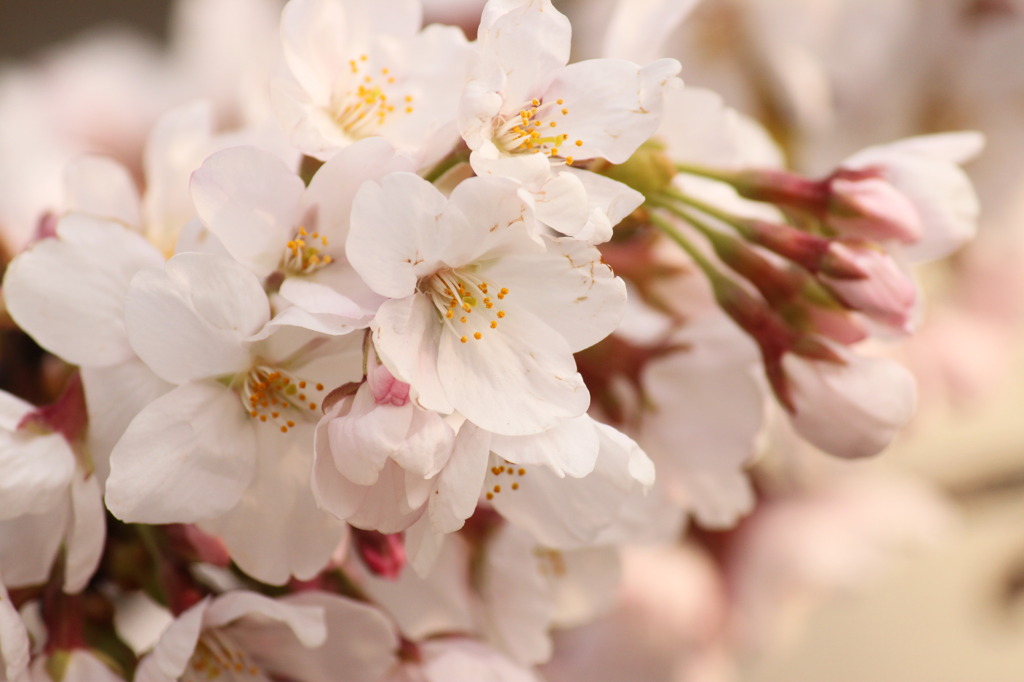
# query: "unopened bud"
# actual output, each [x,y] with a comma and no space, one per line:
[771,333]
[777,284]
[383,554]
[387,390]
[864,204]
[886,293]
[781,188]
[804,249]
[849,409]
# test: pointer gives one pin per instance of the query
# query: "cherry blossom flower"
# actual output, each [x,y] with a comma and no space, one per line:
[51,500]
[265,217]
[360,70]
[376,454]
[245,635]
[483,301]
[193,323]
[526,115]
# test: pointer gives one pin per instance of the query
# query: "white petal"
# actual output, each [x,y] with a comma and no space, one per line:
[327,204]
[35,472]
[178,642]
[191,320]
[406,335]
[393,232]
[84,667]
[458,485]
[466,660]
[29,545]
[441,601]
[569,448]
[101,187]
[638,29]
[561,204]
[613,106]
[707,413]
[956,147]
[331,490]
[386,507]
[528,41]
[14,643]
[276,531]
[427,445]
[367,436]
[517,619]
[139,620]
[519,378]
[484,215]
[608,202]
[361,641]
[571,512]
[113,396]
[177,145]
[188,455]
[87,534]
[305,622]
[851,410]
[568,288]
[68,293]
[250,200]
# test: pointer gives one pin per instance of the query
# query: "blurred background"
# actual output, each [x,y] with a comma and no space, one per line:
[892,590]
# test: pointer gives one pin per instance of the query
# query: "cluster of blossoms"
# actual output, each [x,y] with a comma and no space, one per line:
[376,377]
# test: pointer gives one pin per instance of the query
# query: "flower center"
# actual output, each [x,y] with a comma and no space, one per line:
[364,108]
[531,131]
[270,395]
[218,657]
[467,304]
[304,255]
[510,470]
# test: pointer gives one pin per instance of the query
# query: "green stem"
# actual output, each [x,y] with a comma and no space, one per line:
[152,546]
[710,234]
[675,235]
[446,164]
[701,171]
[729,219]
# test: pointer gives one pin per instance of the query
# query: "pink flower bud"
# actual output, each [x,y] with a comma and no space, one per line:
[885,294]
[383,554]
[837,325]
[780,187]
[853,409]
[864,204]
[387,390]
[802,248]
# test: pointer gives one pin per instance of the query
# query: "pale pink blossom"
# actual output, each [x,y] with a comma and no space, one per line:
[308,637]
[478,300]
[851,409]
[358,70]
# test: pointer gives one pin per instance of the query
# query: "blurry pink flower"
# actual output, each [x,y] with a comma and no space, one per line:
[853,409]
[308,637]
